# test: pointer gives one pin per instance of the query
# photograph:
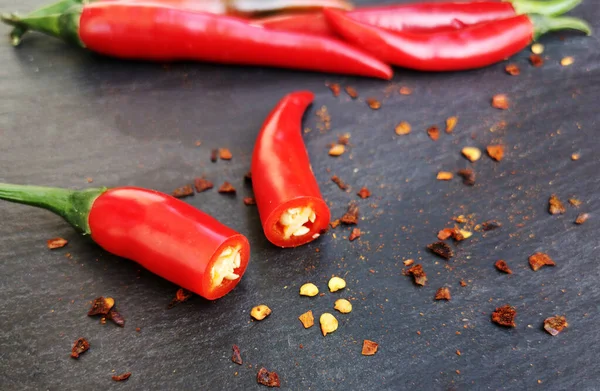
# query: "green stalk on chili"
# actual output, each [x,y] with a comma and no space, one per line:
[163,234]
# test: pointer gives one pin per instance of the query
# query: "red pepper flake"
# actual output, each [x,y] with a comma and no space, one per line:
[266,378]
[505,316]
[351,92]
[183,191]
[405,91]
[226,188]
[582,218]
[181,296]
[89,179]
[536,60]
[213,155]
[373,103]
[355,234]
[138,329]
[56,243]
[101,306]
[364,193]
[79,347]
[335,223]
[198,143]
[538,260]
[468,176]
[236,357]
[249,201]
[445,233]
[339,182]
[463,283]
[496,152]
[500,101]
[443,294]
[512,69]
[451,124]
[458,353]
[369,348]
[344,139]
[408,262]
[503,266]
[434,133]
[555,324]
[403,128]
[351,216]
[335,88]
[575,202]
[441,249]
[418,274]
[202,184]
[116,317]
[122,377]
[491,225]
[225,154]
[555,206]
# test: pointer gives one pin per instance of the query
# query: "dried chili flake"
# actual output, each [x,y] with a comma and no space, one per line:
[575,202]
[538,260]
[226,188]
[183,191]
[351,216]
[512,69]
[344,139]
[575,156]
[445,233]
[116,317]
[471,153]
[339,182]
[505,316]
[266,378]
[214,154]
[444,176]
[403,128]
[434,133]
[555,324]
[324,119]
[55,243]
[79,347]
[373,103]
[496,152]
[181,296]
[101,306]
[503,266]
[335,223]
[122,377]
[202,184]
[335,88]
[364,193]
[355,234]
[555,206]
[443,294]
[236,357]
[419,275]
[582,218]
[566,61]
[463,283]
[536,60]
[408,262]
[225,154]
[405,91]
[500,101]
[369,347]
[491,225]
[307,319]
[249,201]
[468,176]
[441,249]
[89,179]
[337,150]
[461,234]
[352,93]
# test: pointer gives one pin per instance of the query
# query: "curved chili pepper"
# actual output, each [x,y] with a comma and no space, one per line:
[289,202]
[162,33]
[472,47]
[163,234]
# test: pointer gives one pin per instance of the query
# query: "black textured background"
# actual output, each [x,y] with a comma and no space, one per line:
[66,115]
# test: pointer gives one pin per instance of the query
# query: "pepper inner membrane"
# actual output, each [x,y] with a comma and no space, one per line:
[297,221]
[224,267]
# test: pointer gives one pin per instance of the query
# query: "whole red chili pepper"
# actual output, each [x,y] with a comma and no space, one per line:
[472,47]
[163,234]
[289,202]
[163,33]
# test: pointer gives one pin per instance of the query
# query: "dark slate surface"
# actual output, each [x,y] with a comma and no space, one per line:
[66,115]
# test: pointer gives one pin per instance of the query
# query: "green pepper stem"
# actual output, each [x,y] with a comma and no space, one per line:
[545,24]
[72,205]
[547,7]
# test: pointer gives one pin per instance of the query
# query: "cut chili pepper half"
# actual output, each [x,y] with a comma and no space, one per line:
[287,194]
[163,234]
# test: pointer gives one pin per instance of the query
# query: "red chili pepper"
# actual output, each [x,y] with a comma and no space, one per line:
[287,194]
[472,47]
[163,234]
[163,33]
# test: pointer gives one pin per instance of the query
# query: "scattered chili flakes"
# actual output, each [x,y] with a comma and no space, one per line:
[512,69]
[434,133]
[79,347]
[405,90]
[202,184]
[181,296]
[441,249]
[491,225]
[444,176]
[355,234]
[116,317]
[496,152]
[555,206]
[505,316]
[451,124]
[364,193]
[351,216]
[575,156]
[555,324]
[101,306]
[183,191]
[445,233]
[503,266]
[419,275]
[337,150]
[213,155]
[225,154]
[566,61]
[236,357]
[369,348]
[582,218]
[324,119]
[122,377]
[249,201]
[351,92]
[500,101]
[266,378]
[443,294]
[307,319]
[538,260]
[339,182]
[468,176]
[536,60]
[575,202]
[403,128]
[335,223]
[408,262]
[226,188]
[335,88]
[344,139]
[55,243]
[373,103]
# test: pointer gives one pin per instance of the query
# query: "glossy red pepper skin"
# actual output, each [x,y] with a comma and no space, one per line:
[282,177]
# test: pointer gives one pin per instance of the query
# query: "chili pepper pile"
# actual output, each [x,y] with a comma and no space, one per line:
[444,36]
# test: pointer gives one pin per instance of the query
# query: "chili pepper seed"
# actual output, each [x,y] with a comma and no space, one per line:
[471,153]
[337,150]
[336,283]
[309,289]
[328,323]
[260,312]
[343,306]
[403,128]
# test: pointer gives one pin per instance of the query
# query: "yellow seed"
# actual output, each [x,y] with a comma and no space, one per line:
[565,62]
[260,312]
[337,150]
[575,156]
[465,234]
[403,128]
[328,323]
[444,176]
[472,153]
[409,262]
[335,284]
[309,289]
[343,305]
[537,48]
